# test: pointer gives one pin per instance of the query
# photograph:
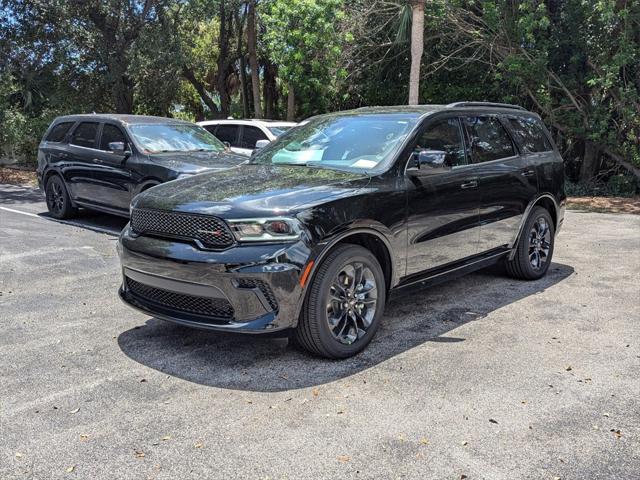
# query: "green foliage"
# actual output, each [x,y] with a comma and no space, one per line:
[304,40]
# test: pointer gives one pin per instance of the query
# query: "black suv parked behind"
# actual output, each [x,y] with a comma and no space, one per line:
[102,161]
[324,224]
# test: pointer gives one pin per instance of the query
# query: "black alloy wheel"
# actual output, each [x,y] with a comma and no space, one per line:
[58,201]
[344,304]
[534,248]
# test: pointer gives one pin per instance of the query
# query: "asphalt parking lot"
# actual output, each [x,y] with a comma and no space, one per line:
[481,378]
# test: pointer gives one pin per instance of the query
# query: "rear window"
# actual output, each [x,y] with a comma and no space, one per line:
[488,138]
[529,135]
[58,132]
[85,135]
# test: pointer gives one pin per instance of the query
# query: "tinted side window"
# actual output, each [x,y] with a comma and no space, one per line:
[529,135]
[250,135]
[227,133]
[58,132]
[488,139]
[85,135]
[111,133]
[210,128]
[444,136]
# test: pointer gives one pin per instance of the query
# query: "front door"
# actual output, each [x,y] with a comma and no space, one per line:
[443,202]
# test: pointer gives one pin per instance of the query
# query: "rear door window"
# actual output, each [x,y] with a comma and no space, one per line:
[85,135]
[488,139]
[529,135]
[111,133]
[250,135]
[58,132]
[228,133]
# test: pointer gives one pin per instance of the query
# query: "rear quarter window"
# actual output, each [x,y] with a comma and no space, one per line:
[58,132]
[529,135]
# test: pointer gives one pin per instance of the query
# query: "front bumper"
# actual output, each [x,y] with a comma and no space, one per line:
[248,288]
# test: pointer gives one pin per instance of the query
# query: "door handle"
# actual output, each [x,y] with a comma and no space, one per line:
[528,173]
[470,184]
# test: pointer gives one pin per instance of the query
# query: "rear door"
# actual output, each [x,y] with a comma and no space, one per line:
[506,180]
[80,153]
[442,206]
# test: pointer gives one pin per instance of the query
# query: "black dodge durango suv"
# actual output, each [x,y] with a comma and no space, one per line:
[315,233]
[101,161]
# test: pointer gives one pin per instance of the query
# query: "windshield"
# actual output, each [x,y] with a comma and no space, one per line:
[358,142]
[178,137]
[277,131]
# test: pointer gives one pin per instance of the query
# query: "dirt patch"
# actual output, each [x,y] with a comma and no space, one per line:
[605,204]
[17,176]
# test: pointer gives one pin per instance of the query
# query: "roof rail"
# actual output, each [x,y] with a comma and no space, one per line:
[484,104]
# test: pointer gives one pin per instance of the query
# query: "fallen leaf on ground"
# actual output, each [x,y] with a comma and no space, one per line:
[424,441]
[71,468]
[18,455]
[198,445]
[315,392]
[605,414]
[84,436]
[464,444]
[139,453]
[568,369]
[344,458]
[75,411]
[493,421]
[166,437]
[617,433]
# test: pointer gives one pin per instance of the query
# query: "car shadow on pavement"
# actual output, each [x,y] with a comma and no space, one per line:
[19,194]
[94,221]
[255,363]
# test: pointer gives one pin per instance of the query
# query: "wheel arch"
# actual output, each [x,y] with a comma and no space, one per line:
[546,201]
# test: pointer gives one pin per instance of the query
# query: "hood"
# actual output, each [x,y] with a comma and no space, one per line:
[197,162]
[253,191]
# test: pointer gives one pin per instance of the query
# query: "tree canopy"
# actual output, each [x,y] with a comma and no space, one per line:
[575,62]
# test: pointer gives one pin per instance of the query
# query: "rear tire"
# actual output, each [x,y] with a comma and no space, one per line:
[344,304]
[535,247]
[58,201]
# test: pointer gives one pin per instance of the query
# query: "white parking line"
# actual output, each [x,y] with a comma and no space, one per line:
[65,222]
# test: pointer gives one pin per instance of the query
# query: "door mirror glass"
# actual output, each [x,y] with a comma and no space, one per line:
[261,144]
[427,162]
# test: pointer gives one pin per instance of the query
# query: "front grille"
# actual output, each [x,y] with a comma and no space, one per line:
[210,231]
[210,307]
[263,287]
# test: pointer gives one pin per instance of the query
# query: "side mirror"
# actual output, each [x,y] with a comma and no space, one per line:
[261,144]
[119,148]
[426,162]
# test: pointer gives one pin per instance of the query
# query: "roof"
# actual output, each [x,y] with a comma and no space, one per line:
[248,121]
[122,118]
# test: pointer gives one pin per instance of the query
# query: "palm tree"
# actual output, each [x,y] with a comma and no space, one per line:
[417,46]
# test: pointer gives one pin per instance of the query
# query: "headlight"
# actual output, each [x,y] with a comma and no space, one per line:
[265,229]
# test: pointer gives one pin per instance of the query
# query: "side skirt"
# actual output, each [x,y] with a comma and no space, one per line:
[441,275]
[100,208]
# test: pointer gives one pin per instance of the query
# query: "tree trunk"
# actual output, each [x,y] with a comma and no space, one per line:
[244,91]
[202,92]
[590,161]
[270,90]
[253,58]
[291,104]
[417,47]
[123,94]
[223,63]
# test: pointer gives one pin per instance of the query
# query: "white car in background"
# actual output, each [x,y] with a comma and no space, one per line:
[245,136]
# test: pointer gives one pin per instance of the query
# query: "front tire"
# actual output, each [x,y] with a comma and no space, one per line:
[58,201]
[535,247]
[344,304]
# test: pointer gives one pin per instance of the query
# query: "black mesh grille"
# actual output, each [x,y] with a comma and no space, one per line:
[210,231]
[210,307]
[264,288]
